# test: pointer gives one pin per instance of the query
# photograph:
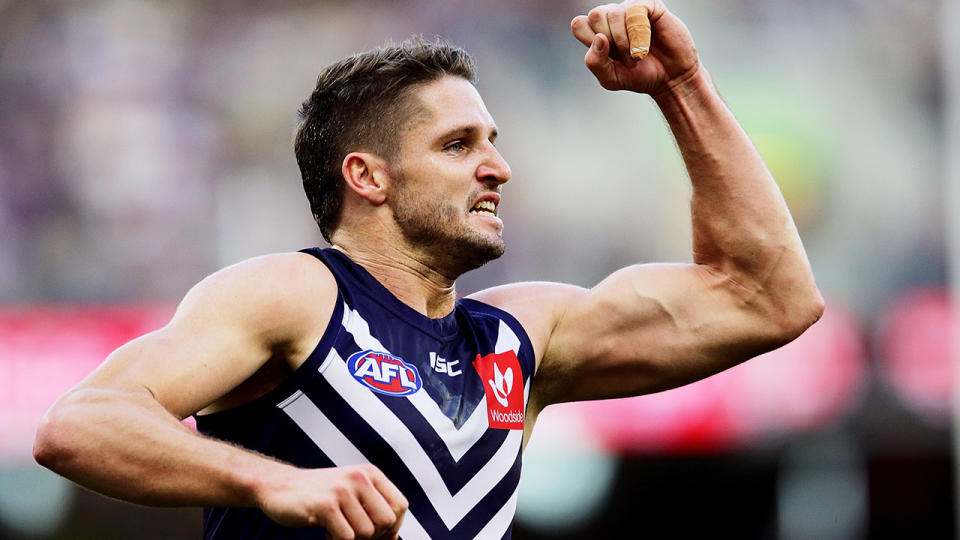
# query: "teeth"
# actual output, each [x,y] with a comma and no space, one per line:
[485,208]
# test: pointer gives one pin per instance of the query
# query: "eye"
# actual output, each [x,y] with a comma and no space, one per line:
[455,147]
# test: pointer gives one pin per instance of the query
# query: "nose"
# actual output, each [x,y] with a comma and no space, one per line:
[493,168]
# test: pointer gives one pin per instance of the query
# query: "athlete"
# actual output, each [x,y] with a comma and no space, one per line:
[347,391]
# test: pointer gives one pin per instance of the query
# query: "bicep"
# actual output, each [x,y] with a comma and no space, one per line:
[187,364]
[648,328]
[183,366]
[225,329]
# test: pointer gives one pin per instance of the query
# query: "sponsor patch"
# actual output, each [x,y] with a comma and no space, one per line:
[503,386]
[384,373]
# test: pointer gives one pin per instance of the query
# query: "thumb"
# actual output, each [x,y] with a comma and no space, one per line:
[598,61]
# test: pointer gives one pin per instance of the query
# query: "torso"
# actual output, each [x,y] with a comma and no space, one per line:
[418,397]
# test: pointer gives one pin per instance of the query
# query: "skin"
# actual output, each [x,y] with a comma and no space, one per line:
[643,329]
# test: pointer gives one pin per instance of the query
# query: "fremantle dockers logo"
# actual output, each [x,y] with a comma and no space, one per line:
[384,373]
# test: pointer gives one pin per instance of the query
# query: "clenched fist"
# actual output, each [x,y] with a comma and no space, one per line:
[672,60]
[350,502]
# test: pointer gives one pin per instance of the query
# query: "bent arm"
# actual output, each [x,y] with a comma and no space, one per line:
[750,289]
[648,328]
[119,431]
[742,227]
[123,444]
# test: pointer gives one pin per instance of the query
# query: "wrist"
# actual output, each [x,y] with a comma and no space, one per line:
[256,483]
[695,83]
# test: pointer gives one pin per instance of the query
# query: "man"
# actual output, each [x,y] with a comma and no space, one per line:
[358,384]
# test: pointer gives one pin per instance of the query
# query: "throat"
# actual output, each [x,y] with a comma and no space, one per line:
[425,297]
[428,292]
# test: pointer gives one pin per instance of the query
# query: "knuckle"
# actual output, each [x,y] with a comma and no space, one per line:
[326,506]
[371,473]
[357,475]
[365,530]
[594,15]
[383,522]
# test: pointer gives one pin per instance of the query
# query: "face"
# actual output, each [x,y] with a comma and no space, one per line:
[448,179]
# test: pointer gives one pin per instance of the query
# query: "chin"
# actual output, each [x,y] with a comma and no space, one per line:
[453,249]
[473,253]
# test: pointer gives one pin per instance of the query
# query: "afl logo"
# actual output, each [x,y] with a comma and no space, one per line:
[384,373]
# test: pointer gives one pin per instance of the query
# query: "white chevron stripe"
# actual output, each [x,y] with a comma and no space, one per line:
[318,427]
[341,451]
[338,448]
[451,507]
[500,522]
[411,529]
[506,340]
[458,441]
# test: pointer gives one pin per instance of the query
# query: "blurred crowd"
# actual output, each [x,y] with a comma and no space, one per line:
[145,144]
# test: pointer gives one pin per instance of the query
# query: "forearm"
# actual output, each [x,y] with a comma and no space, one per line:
[125,445]
[741,224]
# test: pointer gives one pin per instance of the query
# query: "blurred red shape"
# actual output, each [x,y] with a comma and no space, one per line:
[44,350]
[915,342]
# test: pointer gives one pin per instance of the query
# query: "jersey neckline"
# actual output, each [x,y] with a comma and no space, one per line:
[444,327]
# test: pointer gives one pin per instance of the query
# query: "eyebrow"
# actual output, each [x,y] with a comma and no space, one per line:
[463,131]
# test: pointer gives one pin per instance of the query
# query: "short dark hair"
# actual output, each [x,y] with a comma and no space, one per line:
[361,103]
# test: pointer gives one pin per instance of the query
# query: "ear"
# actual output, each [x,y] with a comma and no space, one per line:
[365,174]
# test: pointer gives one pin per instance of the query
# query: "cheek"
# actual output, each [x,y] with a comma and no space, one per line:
[437,183]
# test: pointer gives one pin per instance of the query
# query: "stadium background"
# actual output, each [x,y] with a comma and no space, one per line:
[145,144]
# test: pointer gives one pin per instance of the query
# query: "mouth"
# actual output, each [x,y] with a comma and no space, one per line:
[486,207]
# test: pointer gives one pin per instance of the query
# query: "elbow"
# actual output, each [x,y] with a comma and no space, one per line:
[62,432]
[799,314]
[51,447]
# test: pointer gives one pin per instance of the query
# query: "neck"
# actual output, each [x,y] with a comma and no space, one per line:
[408,277]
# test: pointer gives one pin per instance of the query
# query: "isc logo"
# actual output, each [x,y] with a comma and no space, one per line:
[384,373]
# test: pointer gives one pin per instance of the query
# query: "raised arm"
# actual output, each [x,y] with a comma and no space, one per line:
[118,431]
[651,327]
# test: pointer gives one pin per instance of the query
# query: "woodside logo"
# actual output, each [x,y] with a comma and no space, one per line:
[503,387]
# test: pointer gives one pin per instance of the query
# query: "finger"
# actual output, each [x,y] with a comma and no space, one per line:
[597,17]
[581,30]
[598,61]
[616,21]
[356,515]
[337,526]
[655,9]
[397,502]
[378,509]
[638,31]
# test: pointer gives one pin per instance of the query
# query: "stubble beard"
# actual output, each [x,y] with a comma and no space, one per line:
[439,231]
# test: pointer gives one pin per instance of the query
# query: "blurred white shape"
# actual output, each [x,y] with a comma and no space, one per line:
[566,478]
[822,491]
[33,501]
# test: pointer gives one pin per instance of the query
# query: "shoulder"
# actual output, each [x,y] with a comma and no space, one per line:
[280,296]
[537,306]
